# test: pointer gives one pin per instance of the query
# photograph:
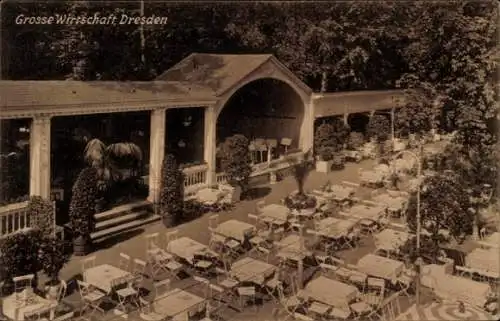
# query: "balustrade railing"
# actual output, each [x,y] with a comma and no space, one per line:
[195,176]
[14,218]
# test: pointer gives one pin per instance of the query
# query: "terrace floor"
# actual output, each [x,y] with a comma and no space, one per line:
[197,230]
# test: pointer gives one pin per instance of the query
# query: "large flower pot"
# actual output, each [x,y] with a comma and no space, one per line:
[273,178]
[81,246]
[323,166]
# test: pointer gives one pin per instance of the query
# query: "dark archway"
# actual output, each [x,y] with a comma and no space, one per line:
[358,122]
[264,108]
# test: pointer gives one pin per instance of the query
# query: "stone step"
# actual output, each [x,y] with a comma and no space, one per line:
[121,210]
[125,217]
[124,227]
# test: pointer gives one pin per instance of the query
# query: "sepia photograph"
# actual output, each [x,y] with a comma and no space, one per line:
[249,160]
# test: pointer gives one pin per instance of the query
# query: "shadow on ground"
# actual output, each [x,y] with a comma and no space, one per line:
[116,239]
[256,193]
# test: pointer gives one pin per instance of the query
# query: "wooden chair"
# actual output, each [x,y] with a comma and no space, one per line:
[22,283]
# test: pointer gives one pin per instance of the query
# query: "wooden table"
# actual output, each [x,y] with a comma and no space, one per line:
[380,266]
[330,292]
[102,276]
[367,212]
[186,248]
[275,213]
[335,227]
[235,229]
[390,240]
[178,304]
[15,310]
[484,260]
[251,270]
[290,248]
[393,203]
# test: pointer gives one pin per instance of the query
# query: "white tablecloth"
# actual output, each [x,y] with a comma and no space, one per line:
[15,311]
[235,229]
[393,203]
[390,240]
[102,276]
[275,212]
[330,292]
[367,212]
[484,260]
[380,267]
[187,248]
[178,304]
[251,270]
[334,227]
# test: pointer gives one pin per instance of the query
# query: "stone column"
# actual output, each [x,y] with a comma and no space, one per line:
[210,144]
[346,119]
[156,154]
[307,133]
[40,174]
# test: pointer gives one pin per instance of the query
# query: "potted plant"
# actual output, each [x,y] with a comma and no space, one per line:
[82,210]
[53,256]
[329,139]
[172,191]
[236,163]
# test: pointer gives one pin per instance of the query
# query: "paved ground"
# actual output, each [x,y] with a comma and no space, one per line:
[197,229]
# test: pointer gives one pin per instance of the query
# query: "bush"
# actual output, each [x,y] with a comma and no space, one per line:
[20,254]
[172,192]
[41,215]
[330,138]
[356,140]
[379,127]
[83,203]
[236,160]
[53,257]
[300,202]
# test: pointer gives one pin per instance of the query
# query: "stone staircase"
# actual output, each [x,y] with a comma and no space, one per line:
[121,219]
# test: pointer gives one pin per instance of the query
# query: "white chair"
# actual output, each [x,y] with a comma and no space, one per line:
[88,263]
[139,271]
[157,260]
[216,242]
[172,235]
[247,295]
[90,297]
[124,262]
[125,291]
[161,287]
[286,143]
[21,284]
[173,268]
[213,221]
[147,312]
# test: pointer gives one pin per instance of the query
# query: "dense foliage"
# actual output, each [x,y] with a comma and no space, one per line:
[444,205]
[83,202]
[172,191]
[41,214]
[20,254]
[378,128]
[355,140]
[53,256]
[14,171]
[330,138]
[236,160]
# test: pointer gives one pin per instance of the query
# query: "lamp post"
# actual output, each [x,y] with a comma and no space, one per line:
[419,223]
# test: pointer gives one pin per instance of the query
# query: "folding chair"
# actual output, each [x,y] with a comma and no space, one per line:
[173,268]
[213,221]
[219,298]
[157,260]
[161,287]
[22,283]
[260,205]
[139,271]
[266,254]
[147,311]
[125,292]
[205,283]
[233,247]
[216,242]
[124,262]
[90,297]
[358,279]
[172,235]
[88,263]
[271,287]
[247,294]
[36,314]
[152,241]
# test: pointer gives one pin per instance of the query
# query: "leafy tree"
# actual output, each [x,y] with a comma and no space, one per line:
[82,205]
[444,205]
[330,138]
[420,114]
[379,127]
[236,160]
[172,193]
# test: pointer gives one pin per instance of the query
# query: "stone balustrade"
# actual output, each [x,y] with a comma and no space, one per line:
[195,176]
[14,218]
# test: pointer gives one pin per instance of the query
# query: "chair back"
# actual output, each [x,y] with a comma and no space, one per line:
[62,291]
[172,235]
[285,141]
[213,221]
[139,269]
[88,263]
[124,262]
[152,241]
[271,142]
[23,282]
[161,287]
[83,288]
